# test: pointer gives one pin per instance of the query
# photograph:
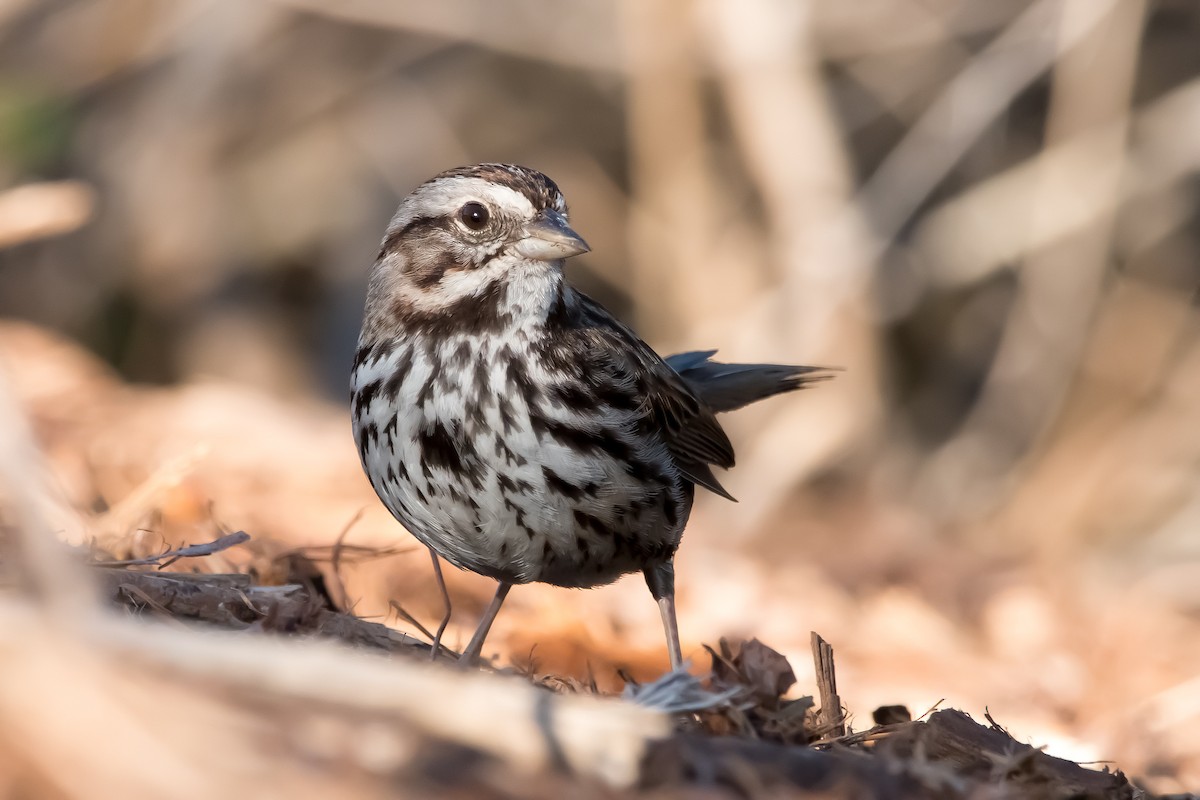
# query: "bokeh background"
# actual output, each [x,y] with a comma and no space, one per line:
[984,213]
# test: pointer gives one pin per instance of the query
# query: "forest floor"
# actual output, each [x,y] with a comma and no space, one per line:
[164,653]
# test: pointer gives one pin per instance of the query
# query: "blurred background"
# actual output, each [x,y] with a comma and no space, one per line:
[984,213]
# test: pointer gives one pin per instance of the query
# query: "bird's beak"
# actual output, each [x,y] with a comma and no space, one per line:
[549,238]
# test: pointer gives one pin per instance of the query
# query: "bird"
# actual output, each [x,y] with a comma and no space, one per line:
[510,422]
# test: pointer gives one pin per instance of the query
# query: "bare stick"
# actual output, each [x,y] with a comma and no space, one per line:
[347,553]
[519,724]
[831,704]
[335,562]
[171,556]
[403,614]
[221,601]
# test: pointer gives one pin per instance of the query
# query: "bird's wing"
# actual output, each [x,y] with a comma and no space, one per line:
[669,407]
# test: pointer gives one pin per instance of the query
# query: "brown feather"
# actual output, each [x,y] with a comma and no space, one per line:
[688,427]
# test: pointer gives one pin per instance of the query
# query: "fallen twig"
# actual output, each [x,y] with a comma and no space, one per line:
[831,704]
[169,557]
[226,601]
[348,553]
[403,614]
[335,562]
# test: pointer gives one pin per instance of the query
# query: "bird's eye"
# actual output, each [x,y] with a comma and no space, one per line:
[474,216]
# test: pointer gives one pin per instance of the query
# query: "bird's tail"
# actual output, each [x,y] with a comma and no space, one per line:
[725,387]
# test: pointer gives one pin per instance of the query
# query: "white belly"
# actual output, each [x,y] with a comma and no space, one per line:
[502,478]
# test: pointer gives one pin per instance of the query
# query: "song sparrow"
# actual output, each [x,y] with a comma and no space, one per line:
[510,422]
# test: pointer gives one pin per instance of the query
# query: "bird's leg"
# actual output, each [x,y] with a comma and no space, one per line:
[661,580]
[666,608]
[475,646]
[441,582]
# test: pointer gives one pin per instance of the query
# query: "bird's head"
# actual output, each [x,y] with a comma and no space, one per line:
[470,233]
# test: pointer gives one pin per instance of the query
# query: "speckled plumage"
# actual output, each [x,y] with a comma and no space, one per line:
[510,422]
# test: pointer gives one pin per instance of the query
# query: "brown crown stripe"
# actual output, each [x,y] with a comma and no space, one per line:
[542,192]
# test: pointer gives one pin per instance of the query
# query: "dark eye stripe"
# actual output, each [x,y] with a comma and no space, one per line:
[414,227]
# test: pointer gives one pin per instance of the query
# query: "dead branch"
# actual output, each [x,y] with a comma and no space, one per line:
[525,727]
[229,601]
[169,557]
[831,704]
